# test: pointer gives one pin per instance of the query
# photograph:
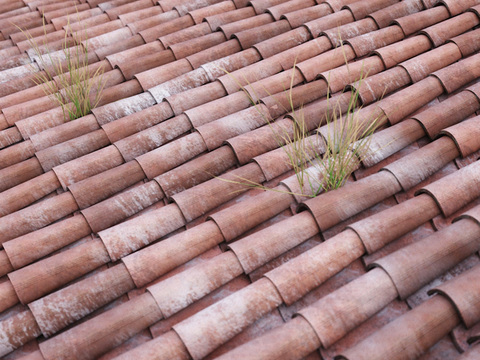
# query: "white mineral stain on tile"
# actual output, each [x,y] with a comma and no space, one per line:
[16,72]
[180,84]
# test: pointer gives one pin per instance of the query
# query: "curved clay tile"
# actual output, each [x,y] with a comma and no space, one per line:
[17,152]
[277,11]
[168,156]
[259,141]
[263,207]
[216,132]
[377,231]
[330,21]
[9,137]
[126,55]
[140,14]
[122,108]
[71,149]
[339,312]
[70,10]
[218,108]
[19,173]
[192,98]
[447,29]
[115,209]
[341,76]
[297,98]
[260,298]
[388,141]
[153,137]
[222,7]
[137,121]
[300,17]
[116,47]
[102,287]
[465,135]
[87,166]
[114,13]
[411,99]
[172,296]
[311,111]
[99,187]
[193,46]
[300,275]
[184,7]
[444,249]
[15,198]
[152,33]
[124,238]
[118,92]
[45,241]
[140,312]
[33,107]
[467,42]
[216,66]
[17,328]
[465,191]
[249,37]
[412,169]
[360,9]
[459,74]
[448,112]
[64,132]
[14,61]
[412,23]
[231,28]
[385,16]
[79,260]
[358,196]
[18,72]
[274,84]
[146,265]
[457,7]
[365,44]
[257,249]
[153,77]
[84,30]
[24,96]
[454,290]
[130,68]
[276,162]
[215,192]
[60,22]
[24,21]
[261,6]
[331,59]
[171,345]
[278,343]
[282,42]
[422,65]
[189,33]
[215,21]
[377,86]
[154,20]
[196,171]
[426,325]
[347,31]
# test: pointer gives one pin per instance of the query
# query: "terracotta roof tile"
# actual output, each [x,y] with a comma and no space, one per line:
[120,165]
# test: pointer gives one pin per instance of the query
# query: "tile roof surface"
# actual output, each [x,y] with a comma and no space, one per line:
[126,234]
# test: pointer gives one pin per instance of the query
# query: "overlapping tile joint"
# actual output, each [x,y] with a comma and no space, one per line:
[126,233]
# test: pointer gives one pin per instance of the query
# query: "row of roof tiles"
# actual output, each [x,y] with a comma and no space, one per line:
[213,108]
